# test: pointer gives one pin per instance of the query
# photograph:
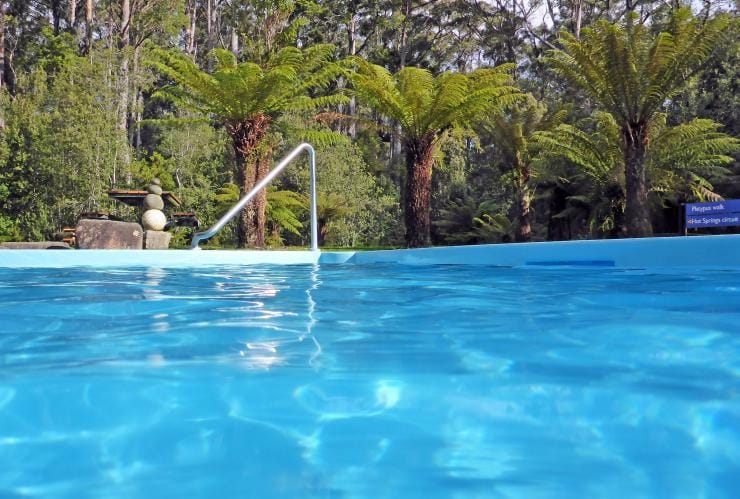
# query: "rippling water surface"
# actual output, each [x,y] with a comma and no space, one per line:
[377,381]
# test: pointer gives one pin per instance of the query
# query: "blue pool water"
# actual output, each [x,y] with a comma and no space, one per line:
[369,381]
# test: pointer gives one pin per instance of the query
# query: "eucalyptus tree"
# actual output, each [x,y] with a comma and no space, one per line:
[426,108]
[247,99]
[630,73]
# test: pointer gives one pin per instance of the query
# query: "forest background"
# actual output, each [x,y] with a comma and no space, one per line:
[81,113]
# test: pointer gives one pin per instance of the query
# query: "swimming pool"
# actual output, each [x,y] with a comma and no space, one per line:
[372,379]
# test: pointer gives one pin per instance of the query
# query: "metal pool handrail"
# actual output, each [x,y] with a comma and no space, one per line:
[207,234]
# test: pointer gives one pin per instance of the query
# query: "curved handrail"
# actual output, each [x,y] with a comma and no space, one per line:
[207,234]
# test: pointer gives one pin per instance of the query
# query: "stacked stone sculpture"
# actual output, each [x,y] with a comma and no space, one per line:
[153,219]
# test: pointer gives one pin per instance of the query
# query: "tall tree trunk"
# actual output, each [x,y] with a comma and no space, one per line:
[88,25]
[352,49]
[139,118]
[56,15]
[72,16]
[235,41]
[524,228]
[417,209]
[209,25]
[252,164]
[577,17]
[125,77]
[637,210]
[2,44]
[193,12]
[2,59]
[396,134]
[403,49]
[138,104]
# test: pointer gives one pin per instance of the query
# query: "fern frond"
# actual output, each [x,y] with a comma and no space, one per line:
[286,82]
[630,72]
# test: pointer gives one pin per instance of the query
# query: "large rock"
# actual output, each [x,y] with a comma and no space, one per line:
[153,220]
[107,234]
[153,202]
[38,245]
[157,239]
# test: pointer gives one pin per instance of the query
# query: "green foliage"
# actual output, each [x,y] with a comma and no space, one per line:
[422,103]
[226,196]
[682,160]
[427,110]
[68,128]
[353,207]
[629,71]
[512,128]
[511,131]
[689,157]
[155,166]
[239,90]
[272,24]
[597,155]
[464,220]
[63,151]
[676,157]
[284,210]
[8,229]
[715,92]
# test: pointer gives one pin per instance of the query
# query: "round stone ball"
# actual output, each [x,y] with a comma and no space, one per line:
[153,220]
[154,189]
[156,181]
[153,202]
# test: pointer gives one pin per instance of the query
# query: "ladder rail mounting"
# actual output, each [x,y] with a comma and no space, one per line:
[213,230]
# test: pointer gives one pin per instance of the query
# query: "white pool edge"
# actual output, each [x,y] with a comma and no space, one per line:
[697,251]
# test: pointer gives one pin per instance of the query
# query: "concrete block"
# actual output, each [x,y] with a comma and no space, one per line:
[157,239]
[107,234]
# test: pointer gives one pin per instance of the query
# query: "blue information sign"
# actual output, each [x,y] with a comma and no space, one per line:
[714,214]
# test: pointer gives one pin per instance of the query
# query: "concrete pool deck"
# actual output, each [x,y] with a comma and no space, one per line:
[669,252]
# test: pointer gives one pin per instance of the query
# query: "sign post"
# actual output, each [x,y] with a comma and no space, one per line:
[713,214]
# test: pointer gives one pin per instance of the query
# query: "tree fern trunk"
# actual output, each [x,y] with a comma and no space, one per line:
[637,210]
[247,136]
[262,168]
[417,212]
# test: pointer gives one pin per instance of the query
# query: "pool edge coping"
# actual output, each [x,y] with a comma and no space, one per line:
[718,251]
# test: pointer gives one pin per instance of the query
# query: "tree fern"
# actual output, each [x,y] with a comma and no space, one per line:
[631,73]
[425,106]
[683,159]
[284,208]
[511,131]
[464,220]
[249,98]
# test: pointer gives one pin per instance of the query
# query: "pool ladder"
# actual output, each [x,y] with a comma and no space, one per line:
[207,234]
